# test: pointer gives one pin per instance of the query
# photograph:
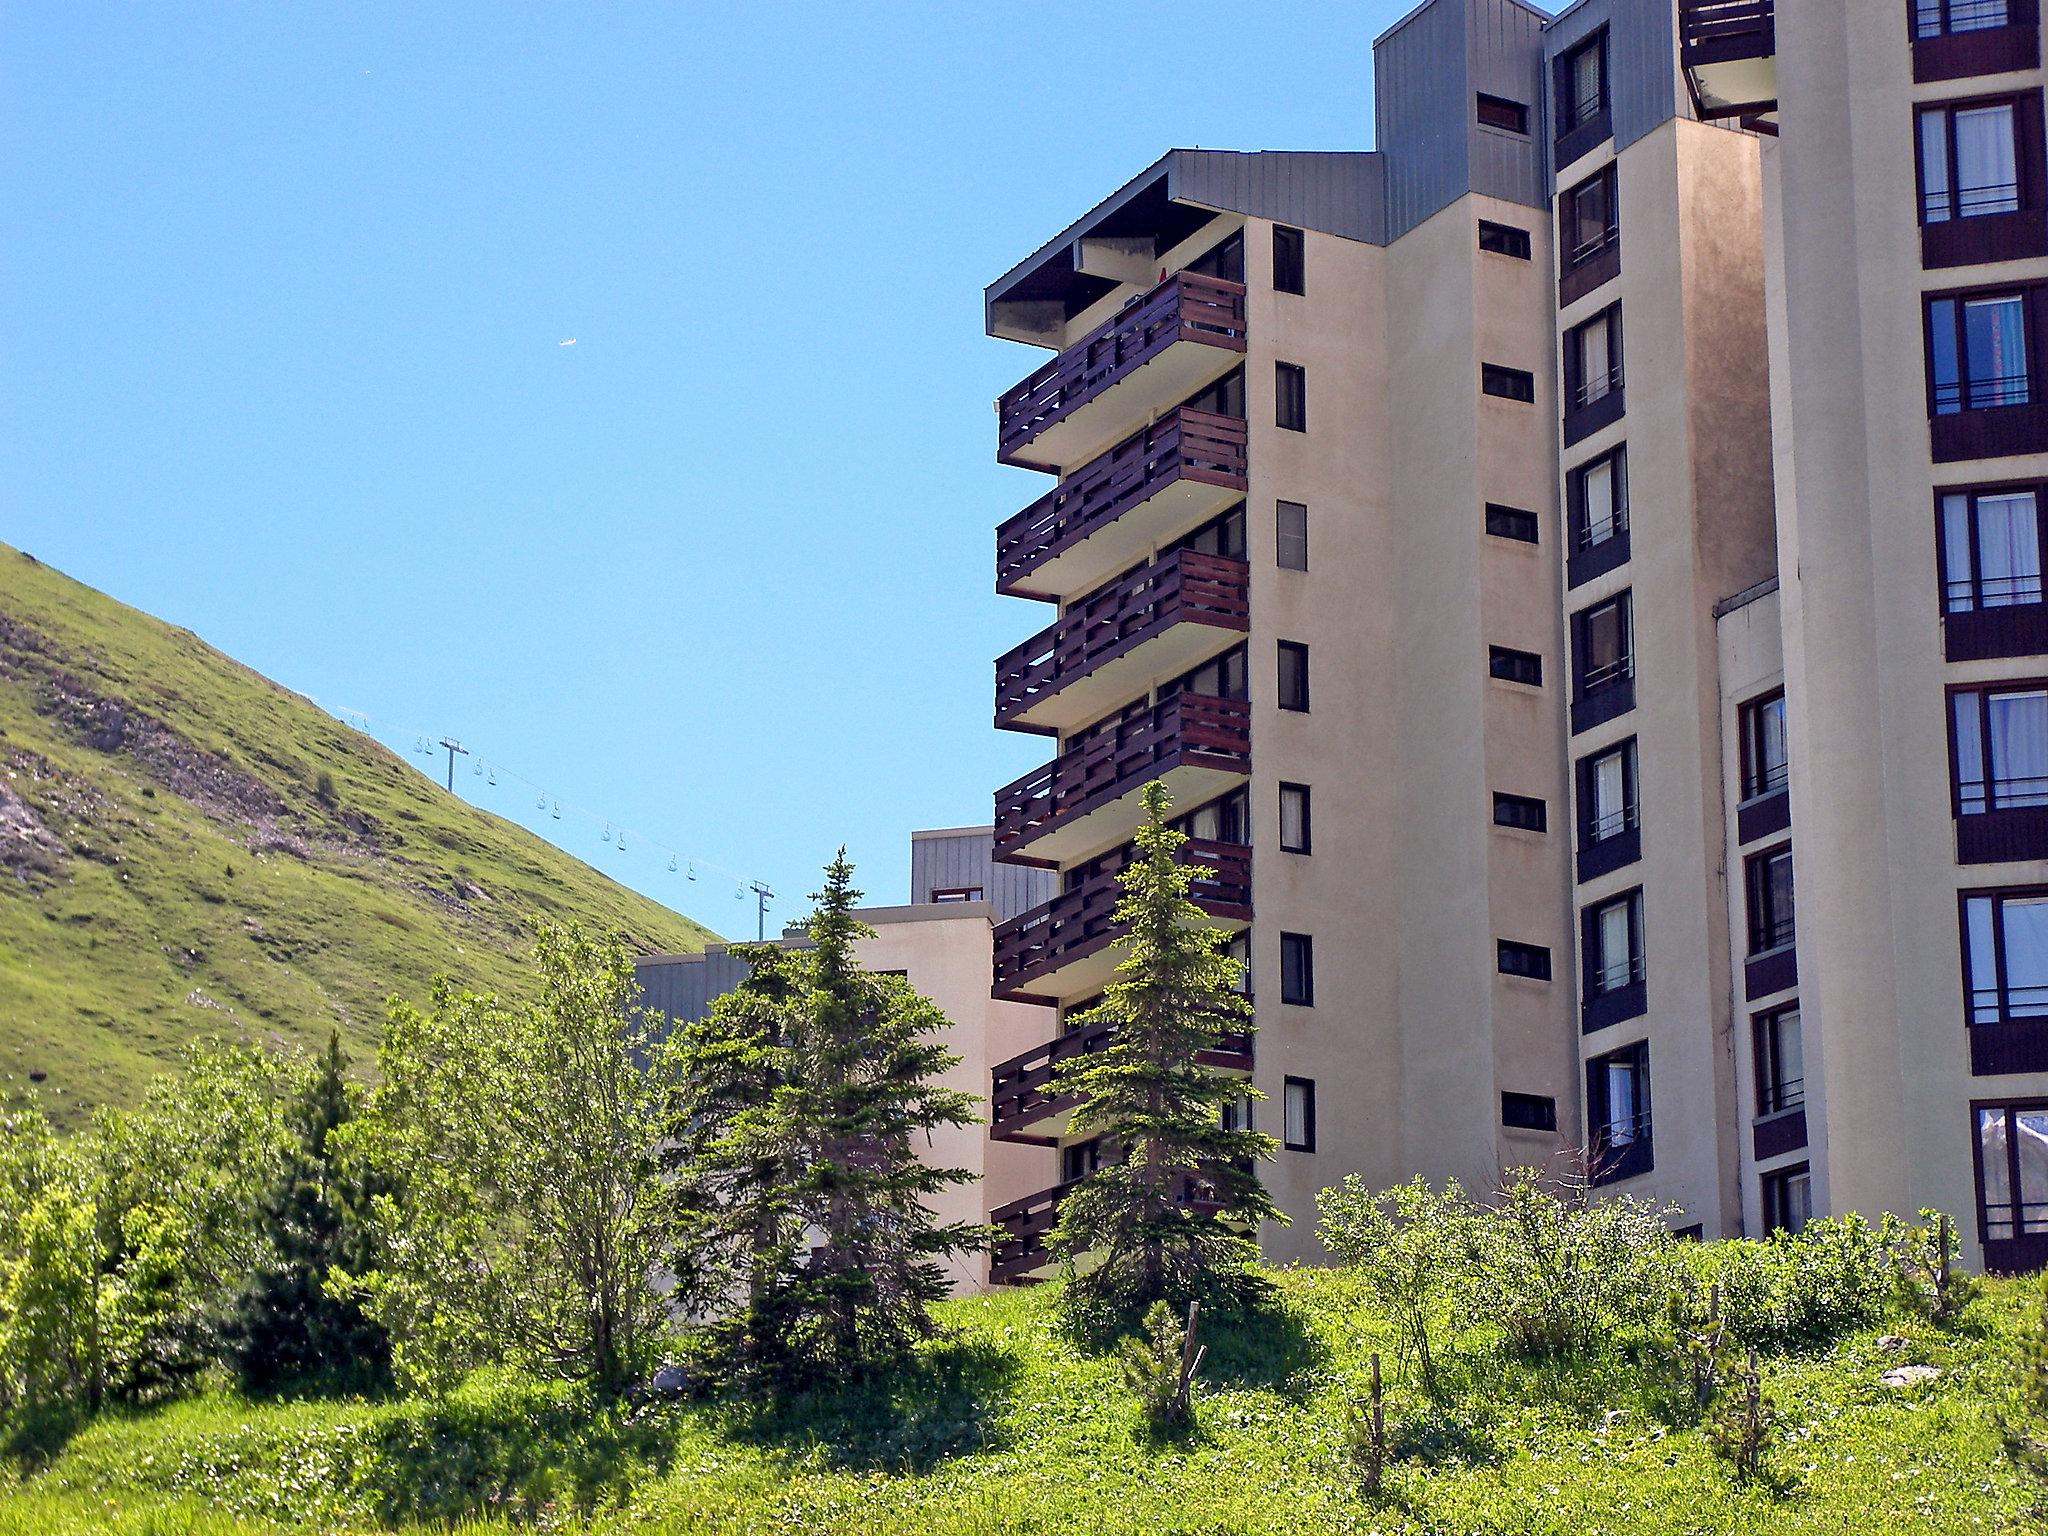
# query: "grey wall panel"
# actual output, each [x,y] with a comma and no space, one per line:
[1422,108]
[1504,50]
[1338,193]
[1642,60]
[683,986]
[966,860]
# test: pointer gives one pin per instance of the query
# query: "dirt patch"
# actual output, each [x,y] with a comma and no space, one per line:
[29,851]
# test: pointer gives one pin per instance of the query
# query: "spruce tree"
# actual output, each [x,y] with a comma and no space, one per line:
[285,1326]
[1174,996]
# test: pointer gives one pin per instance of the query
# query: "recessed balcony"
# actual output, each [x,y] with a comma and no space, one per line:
[1020,1256]
[1086,800]
[1147,358]
[1729,51]
[1156,622]
[1022,1110]
[1161,482]
[1069,947]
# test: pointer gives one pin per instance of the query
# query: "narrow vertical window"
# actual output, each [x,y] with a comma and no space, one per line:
[1780,1062]
[1770,900]
[1289,260]
[1788,1199]
[1298,970]
[1290,535]
[1290,387]
[1299,1105]
[1294,818]
[1293,676]
[1765,762]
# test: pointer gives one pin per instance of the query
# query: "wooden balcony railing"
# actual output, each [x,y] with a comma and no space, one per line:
[1018,1097]
[1189,728]
[1183,445]
[1025,1224]
[1186,307]
[1077,921]
[1181,588]
[1719,31]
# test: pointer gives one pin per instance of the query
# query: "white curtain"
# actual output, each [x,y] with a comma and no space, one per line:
[1957,554]
[1593,360]
[1614,948]
[2026,957]
[1994,333]
[1599,493]
[2018,725]
[1621,1103]
[1983,961]
[1934,166]
[1971,793]
[2008,550]
[1987,177]
[1609,801]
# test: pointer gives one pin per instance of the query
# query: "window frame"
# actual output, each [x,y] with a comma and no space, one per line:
[953,894]
[1973,496]
[1535,809]
[1290,388]
[2010,1108]
[1961,299]
[1533,962]
[1509,240]
[1307,844]
[1597,968]
[1772,1189]
[1622,669]
[1517,384]
[1290,260]
[1768,931]
[1758,780]
[1513,115]
[1576,257]
[1631,810]
[1572,113]
[1576,383]
[1298,953]
[1508,656]
[1542,1111]
[1517,523]
[2001,987]
[1281,537]
[1616,458]
[1943,9]
[1306,1086]
[1989,802]
[1297,651]
[2025,156]
[1775,1093]
[1600,1121]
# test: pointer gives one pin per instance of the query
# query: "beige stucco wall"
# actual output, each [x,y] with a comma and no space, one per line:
[946,954]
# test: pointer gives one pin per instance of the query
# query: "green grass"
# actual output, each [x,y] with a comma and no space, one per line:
[1006,1426]
[189,878]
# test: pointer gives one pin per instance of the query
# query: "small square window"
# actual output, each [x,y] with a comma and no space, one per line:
[1507,383]
[1293,676]
[1518,959]
[1523,811]
[1290,388]
[1298,1105]
[1294,818]
[1298,970]
[1290,535]
[1499,112]
[1503,239]
[1505,522]
[1513,666]
[1528,1111]
[1288,260]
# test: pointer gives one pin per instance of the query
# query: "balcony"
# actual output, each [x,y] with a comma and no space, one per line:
[1157,622]
[1621,1151]
[1067,947]
[1156,485]
[1020,1256]
[1018,1097]
[1158,350]
[1728,49]
[1086,800]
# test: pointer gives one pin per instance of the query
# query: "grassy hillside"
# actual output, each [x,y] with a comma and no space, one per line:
[1007,1427]
[188,849]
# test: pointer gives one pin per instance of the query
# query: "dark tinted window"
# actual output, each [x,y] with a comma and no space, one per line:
[1288,260]
[1290,395]
[1507,383]
[1293,675]
[1499,112]
[1515,666]
[1524,811]
[1510,522]
[1528,1111]
[1503,239]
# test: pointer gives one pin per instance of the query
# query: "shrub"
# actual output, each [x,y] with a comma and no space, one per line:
[1804,1288]
[1160,1366]
[1929,1285]
[1561,1272]
[1412,1249]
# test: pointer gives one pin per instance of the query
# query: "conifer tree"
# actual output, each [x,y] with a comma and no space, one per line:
[1174,996]
[286,1327]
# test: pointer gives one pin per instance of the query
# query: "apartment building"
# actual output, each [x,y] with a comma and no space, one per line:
[941,941]
[1518,548]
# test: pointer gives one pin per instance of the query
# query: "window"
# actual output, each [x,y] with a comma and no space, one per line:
[1298,1100]
[1586,223]
[1290,385]
[1528,1111]
[1225,259]
[958,893]
[1512,666]
[1780,1062]
[1294,818]
[1507,383]
[2001,748]
[1240,949]
[1223,398]
[1499,112]
[1969,161]
[2005,956]
[1223,536]
[1293,675]
[1080,1160]
[1592,359]
[1788,1199]
[1990,550]
[1298,970]
[1614,945]
[1237,1115]
[1769,879]
[1582,84]
[1618,1098]
[1596,500]
[1977,350]
[1510,523]
[2012,1171]
[1607,794]
[1937,18]
[1503,239]
[1221,678]
[1764,761]
[1290,535]
[1517,959]
[1605,651]
[1523,811]
[1222,820]
[1288,260]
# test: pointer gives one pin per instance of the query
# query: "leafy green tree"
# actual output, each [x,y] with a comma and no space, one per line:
[518,1147]
[1174,996]
[287,1326]
[1412,1248]
[803,1208]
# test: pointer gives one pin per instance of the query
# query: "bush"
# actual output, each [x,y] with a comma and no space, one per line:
[1804,1288]
[1160,1366]
[1411,1248]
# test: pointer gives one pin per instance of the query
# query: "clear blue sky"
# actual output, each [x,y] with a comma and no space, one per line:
[284,289]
